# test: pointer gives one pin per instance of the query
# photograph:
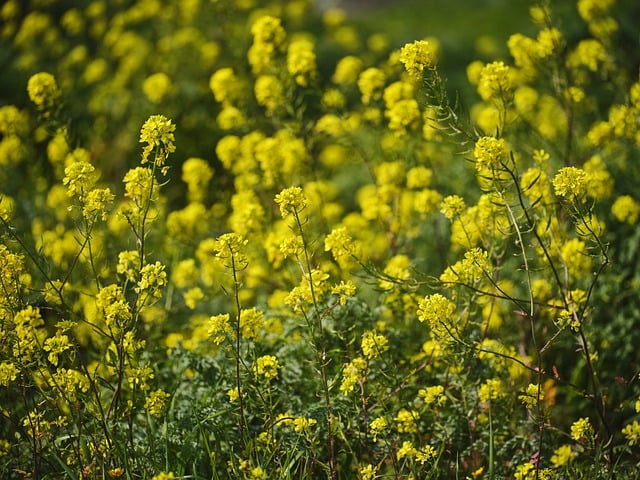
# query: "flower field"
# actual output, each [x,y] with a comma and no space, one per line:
[253,239]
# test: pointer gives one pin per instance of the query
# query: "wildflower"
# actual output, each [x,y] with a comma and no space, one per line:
[494,81]
[626,209]
[570,182]
[581,429]
[139,185]
[368,472]
[344,290]
[347,70]
[377,426]
[156,87]
[79,174]
[43,89]
[139,377]
[231,246]
[562,455]
[373,344]
[233,394]
[55,346]
[291,201]
[489,153]
[111,301]
[96,203]
[371,82]
[300,424]
[157,133]
[339,243]
[301,61]
[524,471]
[437,311]
[251,322]
[155,402]
[258,473]
[492,389]
[267,366]
[406,450]
[225,86]
[269,92]
[116,472]
[220,328]
[268,30]
[576,257]
[452,206]
[196,173]
[417,57]
[425,454]
[531,396]
[163,476]
[434,394]
[8,373]
[632,432]
[353,373]
[419,177]
[403,115]
[406,421]
[152,277]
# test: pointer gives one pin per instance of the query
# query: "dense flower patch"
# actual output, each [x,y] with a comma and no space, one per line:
[245,239]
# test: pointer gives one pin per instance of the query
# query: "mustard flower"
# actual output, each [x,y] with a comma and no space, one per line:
[43,89]
[353,373]
[13,121]
[419,177]
[368,472]
[570,182]
[406,450]
[425,454]
[373,344]
[269,93]
[417,57]
[267,366]
[80,175]
[339,243]
[404,115]
[152,278]
[8,373]
[562,455]
[532,396]
[377,426]
[576,257]
[111,301]
[55,346]
[291,201]
[632,433]
[300,424]
[301,61]
[489,153]
[347,70]
[157,133]
[233,394]
[344,290]
[220,328]
[492,389]
[626,209]
[192,297]
[406,421]
[581,430]
[434,394]
[97,202]
[140,185]
[163,476]
[268,29]
[155,402]
[452,206]
[196,173]
[292,246]
[251,322]
[156,87]
[231,246]
[437,311]
[371,82]
[138,377]
[231,118]
[128,264]
[226,86]
[494,81]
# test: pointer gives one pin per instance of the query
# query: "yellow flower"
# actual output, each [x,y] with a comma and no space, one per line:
[267,366]
[562,455]
[489,153]
[626,209]
[155,402]
[417,57]
[157,133]
[43,89]
[156,87]
[570,182]
[291,200]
